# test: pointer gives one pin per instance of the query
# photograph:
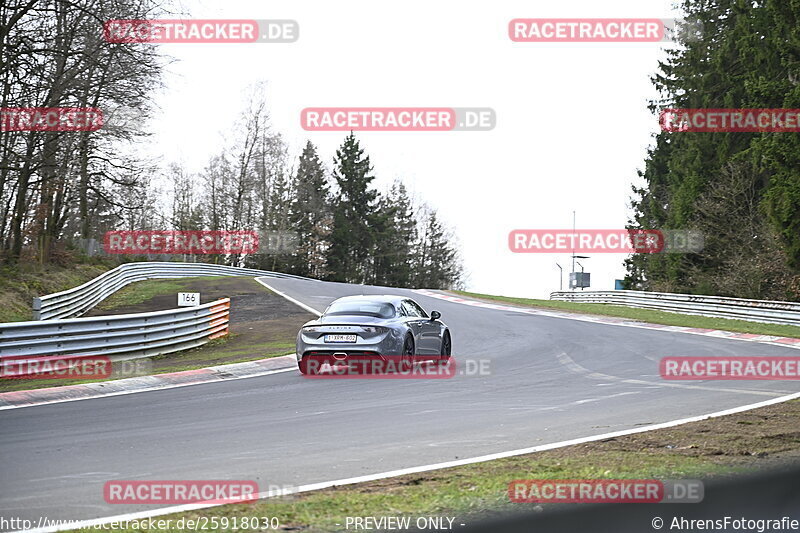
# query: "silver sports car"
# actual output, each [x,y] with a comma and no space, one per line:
[368,326]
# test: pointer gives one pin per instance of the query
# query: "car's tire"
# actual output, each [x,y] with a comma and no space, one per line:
[407,357]
[447,347]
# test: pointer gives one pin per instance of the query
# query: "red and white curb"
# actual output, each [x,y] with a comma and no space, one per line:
[613,321]
[85,391]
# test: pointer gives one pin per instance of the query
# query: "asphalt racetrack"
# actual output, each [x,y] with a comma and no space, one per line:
[548,380]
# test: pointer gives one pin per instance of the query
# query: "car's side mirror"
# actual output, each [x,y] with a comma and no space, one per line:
[436,315]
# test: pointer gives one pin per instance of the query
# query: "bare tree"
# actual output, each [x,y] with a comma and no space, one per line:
[54,55]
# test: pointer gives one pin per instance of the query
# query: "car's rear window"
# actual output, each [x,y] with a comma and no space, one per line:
[361,308]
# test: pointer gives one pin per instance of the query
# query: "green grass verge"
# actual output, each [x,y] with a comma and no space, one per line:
[227,348]
[647,315]
[468,492]
[465,492]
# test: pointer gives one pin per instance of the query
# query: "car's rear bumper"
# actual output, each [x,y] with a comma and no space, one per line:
[388,346]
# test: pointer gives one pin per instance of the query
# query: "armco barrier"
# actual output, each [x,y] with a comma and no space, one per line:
[769,311]
[120,337]
[76,301]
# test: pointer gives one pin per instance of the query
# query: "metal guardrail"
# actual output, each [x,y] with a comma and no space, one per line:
[76,301]
[120,337]
[769,311]
[55,335]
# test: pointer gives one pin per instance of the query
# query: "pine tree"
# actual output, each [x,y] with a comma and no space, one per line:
[745,57]
[396,233]
[437,264]
[310,214]
[354,209]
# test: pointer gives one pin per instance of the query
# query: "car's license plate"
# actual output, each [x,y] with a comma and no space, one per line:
[340,338]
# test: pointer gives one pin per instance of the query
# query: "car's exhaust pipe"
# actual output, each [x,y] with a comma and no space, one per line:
[340,356]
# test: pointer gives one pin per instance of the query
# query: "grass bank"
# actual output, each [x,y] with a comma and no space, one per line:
[19,285]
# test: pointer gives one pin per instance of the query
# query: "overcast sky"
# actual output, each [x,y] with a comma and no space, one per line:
[572,119]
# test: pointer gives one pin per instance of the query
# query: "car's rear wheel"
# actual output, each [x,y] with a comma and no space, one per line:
[447,347]
[407,357]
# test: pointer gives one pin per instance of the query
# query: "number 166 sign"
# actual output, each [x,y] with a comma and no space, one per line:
[188,299]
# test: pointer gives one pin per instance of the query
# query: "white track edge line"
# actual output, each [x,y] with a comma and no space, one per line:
[294,301]
[417,469]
